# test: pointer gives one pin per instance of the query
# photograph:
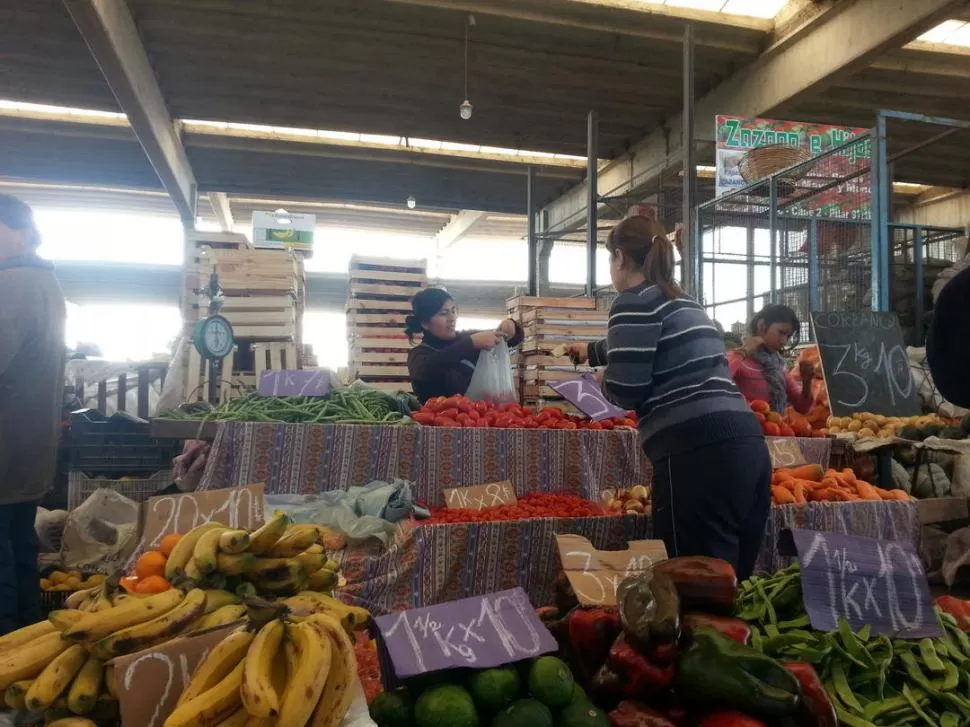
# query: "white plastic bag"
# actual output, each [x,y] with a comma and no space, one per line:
[101,532]
[492,380]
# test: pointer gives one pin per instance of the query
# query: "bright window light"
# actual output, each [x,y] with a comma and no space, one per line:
[765,9]
[122,331]
[949,32]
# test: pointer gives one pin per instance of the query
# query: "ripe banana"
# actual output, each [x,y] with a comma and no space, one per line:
[322,580]
[219,662]
[25,635]
[111,683]
[338,692]
[266,536]
[55,678]
[78,597]
[222,616]
[274,569]
[183,550]
[260,722]
[236,719]
[96,625]
[216,598]
[353,618]
[29,660]
[64,618]
[315,548]
[311,562]
[234,541]
[72,722]
[258,694]
[212,706]
[234,565]
[149,633]
[16,695]
[305,682]
[206,549]
[285,586]
[83,694]
[294,541]
[193,572]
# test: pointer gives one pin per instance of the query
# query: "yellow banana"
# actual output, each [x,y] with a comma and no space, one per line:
[97,625]
[260,722]
[29,660]
[315,548]
[83,694]
[234,541]
[55,678]
[16,694]
[308,677]
[338,692]
[266,536]
[111,682]
[78,597]
[25,635]
[294,541]
[206,549]
[258,694]
[354,618]
[213,705]
[273,569]
[64,618]
[234,565]
[285,586]
[72,722]
[322,580]
[222,616]
[154,631]
[236,719]
[223,658]
[182,552]
[311,562]
[216,598]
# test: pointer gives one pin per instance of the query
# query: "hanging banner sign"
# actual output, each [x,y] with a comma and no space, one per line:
[737,135]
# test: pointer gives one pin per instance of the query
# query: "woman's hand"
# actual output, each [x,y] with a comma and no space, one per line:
[751,345]
[806,370]
[486,340]
[578,352]
[507,328]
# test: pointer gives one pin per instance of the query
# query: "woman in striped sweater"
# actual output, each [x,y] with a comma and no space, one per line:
[664,358]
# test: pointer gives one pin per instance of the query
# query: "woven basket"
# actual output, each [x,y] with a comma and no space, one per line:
[763,161]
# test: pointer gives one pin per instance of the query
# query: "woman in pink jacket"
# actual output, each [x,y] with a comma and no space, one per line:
[759,369]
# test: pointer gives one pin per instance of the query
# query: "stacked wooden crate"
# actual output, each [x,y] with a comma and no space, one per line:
[379,299]
[265,297]
[549,323]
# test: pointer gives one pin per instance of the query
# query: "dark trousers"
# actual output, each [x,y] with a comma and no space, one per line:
[19,582]
[714,501]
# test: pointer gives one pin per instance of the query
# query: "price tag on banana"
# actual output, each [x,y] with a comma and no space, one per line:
[482,631]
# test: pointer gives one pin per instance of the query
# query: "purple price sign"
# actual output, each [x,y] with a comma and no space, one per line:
[480,632]
[294,383]
[586,395]
[865,581]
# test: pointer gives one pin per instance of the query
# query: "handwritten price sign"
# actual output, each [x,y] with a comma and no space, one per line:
[294,383]
[479,632]
[595,574]
[586,395]
[480,496]
[784,452]
[865,581]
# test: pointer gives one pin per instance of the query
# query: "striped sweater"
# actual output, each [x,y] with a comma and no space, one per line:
[665,359]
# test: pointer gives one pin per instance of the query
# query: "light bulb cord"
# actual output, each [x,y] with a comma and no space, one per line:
[467,23]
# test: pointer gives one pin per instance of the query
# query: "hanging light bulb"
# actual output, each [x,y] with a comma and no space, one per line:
[465,109]
[412,203]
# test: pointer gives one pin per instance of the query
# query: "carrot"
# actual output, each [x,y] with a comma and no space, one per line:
[822,494]
[799,493]
[813,472]
[866,491]
[849,474]
[843,482]
[781,496]
[809,485]
[779,476]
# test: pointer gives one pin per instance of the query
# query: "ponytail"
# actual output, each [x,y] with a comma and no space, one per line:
[412,327]
[644,241]
[658,267]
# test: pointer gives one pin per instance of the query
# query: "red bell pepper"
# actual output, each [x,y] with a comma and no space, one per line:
[634,714]
[704,584]
[815,707]
[641,676]
[730,719]
[956,607]
[733,628]
[592,632]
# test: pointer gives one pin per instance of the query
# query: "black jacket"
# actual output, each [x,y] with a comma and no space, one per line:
[445,368]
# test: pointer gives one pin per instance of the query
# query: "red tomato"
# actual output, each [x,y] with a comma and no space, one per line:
[464,404]
[606,424]
[551,411]
[442,421]
[595,426]
[627,423]
[503,421]
[451,412]
[482,406]
[423,417]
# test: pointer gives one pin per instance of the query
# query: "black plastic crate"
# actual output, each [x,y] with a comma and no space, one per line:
[119,445]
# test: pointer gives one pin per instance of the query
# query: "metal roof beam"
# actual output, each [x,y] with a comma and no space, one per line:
[110,33]
[457,228]
[847,37]
[222,210]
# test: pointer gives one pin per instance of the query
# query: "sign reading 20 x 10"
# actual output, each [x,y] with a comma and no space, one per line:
[865,364]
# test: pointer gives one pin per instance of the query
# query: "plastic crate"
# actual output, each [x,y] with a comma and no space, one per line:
[119,445]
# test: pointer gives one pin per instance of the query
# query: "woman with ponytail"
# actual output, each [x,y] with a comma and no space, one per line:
[665,359]
[443,363]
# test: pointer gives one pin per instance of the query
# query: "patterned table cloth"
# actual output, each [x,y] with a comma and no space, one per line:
[308,458]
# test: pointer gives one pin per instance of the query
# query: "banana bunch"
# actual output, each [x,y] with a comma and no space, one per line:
[99,597]
[291,672]
[278,559]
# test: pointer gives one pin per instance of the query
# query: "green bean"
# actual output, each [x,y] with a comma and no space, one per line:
[842,688]
[931,659]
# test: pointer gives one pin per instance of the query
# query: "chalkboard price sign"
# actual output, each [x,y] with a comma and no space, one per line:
[865,364]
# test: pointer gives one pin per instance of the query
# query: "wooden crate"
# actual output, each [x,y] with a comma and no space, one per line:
[275,357]
[232,383]
[264,317]
[217,240]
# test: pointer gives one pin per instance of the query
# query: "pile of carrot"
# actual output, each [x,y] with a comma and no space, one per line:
[812,483]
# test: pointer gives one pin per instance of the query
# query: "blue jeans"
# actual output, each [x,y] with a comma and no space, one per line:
[19,582]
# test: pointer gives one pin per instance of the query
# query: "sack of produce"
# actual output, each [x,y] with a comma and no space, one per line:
[492,380]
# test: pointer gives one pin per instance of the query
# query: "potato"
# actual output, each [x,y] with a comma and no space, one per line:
[854,426]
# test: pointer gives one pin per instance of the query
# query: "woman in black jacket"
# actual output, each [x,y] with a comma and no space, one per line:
[443,363]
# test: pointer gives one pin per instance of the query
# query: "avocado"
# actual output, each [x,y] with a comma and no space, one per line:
[953,433]
[932,430]
[446,705]
[551,682]
[524,713]
[391,709]
[911,433]
[494,689]
[582,714]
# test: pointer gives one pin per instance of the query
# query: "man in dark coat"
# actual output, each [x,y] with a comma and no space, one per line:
[32,353]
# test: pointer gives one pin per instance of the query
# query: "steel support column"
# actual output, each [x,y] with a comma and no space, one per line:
[813,277]
[881,183]
[691,257]
[750,283]
[531,239]
[918,338]
[592,199]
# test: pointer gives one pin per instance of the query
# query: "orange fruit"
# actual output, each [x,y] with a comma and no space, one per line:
[152,584]
[168,543]
[771,429]
[760,417]
[774,417]
[129,583]
[762,407]
[151,563]
[786,431]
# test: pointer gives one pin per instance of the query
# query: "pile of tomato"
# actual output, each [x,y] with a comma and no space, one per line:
[533,505]
[460,411]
